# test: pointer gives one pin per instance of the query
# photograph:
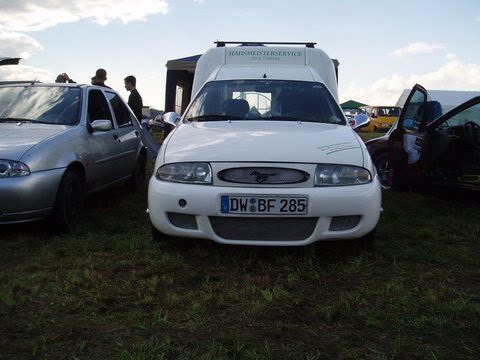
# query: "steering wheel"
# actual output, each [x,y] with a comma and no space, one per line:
[471,130]
[300,114]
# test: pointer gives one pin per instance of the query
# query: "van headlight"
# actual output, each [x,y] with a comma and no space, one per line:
[10,168]
[338,175]
[187,172]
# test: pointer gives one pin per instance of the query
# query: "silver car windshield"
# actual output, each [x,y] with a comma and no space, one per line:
[40,104]
[265,100]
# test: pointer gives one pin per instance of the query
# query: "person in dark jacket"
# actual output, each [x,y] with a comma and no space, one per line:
[134,100]
[100,78]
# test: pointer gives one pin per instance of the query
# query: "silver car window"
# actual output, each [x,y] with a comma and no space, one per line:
[42,104]
[97,107]
[122,115]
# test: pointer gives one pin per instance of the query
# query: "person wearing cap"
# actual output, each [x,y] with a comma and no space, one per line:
[134,100]
[64,78]
[100,78]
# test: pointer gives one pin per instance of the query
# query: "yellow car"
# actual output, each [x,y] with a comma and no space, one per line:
[381,117]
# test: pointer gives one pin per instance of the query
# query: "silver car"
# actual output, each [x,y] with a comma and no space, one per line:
[59,142]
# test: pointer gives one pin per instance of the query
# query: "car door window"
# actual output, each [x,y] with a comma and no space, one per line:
[97,107]
[414,111]
[471,114]
[122,115]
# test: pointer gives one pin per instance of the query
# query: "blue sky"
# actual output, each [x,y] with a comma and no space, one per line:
[383,46]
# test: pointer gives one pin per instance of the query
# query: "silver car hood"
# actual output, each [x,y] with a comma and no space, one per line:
[16,139]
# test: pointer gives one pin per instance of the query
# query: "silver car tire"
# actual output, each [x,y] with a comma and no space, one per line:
[68,207]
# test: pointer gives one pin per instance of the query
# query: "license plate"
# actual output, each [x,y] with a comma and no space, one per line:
[263,205]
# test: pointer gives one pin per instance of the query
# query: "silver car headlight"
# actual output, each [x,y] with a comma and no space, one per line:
[339,175]
[187,172]
[10,168]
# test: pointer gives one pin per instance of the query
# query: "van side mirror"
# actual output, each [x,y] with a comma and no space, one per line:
[101,125]
[171,118]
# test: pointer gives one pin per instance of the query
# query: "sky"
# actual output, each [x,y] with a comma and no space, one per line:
[383,46]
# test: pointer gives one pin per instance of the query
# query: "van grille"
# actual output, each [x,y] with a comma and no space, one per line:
[263,229]
[263,175]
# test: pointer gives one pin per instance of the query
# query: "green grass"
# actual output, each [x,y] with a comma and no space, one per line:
[109,291]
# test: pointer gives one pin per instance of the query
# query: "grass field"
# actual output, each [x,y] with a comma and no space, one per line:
[108,291]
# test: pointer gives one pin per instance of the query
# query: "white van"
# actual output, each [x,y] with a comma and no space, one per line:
[263,154]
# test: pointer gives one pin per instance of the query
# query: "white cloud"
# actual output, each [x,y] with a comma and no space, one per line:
[199,1]
[35,15]
[18,45]
[22,72]
[416,48]
[452,75]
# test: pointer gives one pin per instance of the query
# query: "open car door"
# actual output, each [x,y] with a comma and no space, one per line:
[405,142]
[452,147]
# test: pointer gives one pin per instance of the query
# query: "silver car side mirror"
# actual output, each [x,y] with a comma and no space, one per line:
[171,118]
[361,120]
[102,125]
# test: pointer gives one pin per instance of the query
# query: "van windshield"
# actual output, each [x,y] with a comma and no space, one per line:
[265,100]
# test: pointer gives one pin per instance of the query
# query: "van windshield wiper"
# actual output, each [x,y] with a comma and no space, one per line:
[214,117]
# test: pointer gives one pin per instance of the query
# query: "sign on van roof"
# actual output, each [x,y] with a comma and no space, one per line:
[263,55]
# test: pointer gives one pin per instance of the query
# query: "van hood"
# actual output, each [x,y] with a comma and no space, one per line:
[264,141]
[16,139]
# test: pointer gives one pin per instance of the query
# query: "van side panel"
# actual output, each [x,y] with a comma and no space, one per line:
[208,64]
[319,61]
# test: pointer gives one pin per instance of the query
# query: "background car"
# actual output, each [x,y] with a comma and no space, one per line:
[59,142]
[426,148]
[381,117]
[157,122]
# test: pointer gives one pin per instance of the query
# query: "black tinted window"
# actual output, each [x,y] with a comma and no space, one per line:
[98,107]
[122,114]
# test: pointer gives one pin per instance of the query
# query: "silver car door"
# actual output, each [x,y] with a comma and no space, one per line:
[107,158]
[128,135]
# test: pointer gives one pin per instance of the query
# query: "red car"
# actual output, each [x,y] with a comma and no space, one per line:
[425,148]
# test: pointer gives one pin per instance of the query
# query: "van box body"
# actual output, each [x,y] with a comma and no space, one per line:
[257,62]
